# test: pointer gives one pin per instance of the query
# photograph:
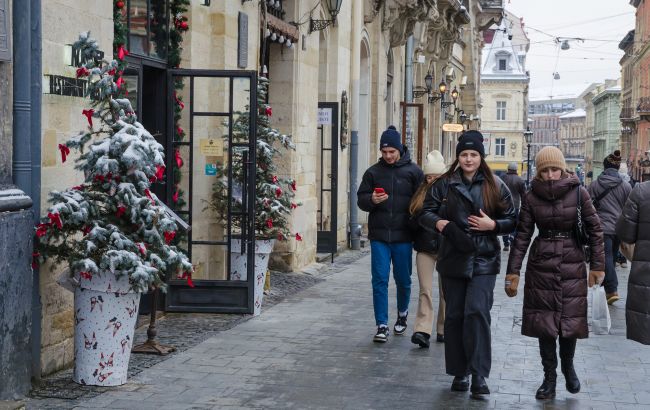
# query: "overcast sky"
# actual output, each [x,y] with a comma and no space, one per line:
[602,23]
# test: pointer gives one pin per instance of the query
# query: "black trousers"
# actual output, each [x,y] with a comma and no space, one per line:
[548,352]
[468,342]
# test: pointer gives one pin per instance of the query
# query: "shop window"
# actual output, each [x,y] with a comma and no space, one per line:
[500,147]
[148,27]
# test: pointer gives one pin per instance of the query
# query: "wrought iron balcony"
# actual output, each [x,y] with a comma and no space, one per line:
[643,107]
[626,113]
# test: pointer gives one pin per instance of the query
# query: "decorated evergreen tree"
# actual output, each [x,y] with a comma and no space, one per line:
[112,222]
[274,196]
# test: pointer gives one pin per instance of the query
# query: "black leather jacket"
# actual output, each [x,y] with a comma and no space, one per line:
[465,199]
[388,221]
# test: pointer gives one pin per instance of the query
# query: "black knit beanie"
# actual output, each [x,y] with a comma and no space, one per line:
[391,138]
[470,140]
[613,160]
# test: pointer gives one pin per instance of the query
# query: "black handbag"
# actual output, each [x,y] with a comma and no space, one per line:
[581,234]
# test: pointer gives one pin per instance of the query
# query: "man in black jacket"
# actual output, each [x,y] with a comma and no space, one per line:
[385,193]
[517,189]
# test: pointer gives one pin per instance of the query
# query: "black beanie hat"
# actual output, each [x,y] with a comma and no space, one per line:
[470,140]
[391,138]
[613,160]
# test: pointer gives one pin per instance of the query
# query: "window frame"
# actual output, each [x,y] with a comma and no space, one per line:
[500,145]
[501,110]
[168,18]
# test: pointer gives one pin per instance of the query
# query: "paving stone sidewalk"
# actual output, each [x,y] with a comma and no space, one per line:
[315,350]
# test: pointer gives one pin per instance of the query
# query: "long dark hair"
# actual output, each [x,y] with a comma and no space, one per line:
[418,197]
[491,193]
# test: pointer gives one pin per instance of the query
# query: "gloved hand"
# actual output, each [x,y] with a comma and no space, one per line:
[512,282]
[596,277]
[461,241]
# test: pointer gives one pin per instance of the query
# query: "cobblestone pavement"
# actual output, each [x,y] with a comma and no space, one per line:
[315,350]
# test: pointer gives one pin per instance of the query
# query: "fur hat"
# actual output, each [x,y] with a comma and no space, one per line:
[434,164]
[613,160]
[548,157]
[470,140]
[512,166]
[391,138]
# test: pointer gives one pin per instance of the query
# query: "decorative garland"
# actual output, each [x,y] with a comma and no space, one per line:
[179,25]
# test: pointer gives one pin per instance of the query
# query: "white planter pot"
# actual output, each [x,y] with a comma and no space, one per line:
[106,311]
[263,248]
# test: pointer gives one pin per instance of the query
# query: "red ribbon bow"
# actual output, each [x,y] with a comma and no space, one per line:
[143,248]
[280,236]
[269,223]
[293,184]
[293,206]
[298,237]
[55,219]
[178,158]
[86,275]
[122,52]
[188,277]
[275,179]
[175,196]
[119,82]
[160,172]
[169,236]
[269,111]
[120,211]
[278,192]
[65,151]
[148,194]
[82,72]
[89,116]
[41,229]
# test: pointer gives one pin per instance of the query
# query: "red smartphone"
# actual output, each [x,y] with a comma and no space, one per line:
[380,191]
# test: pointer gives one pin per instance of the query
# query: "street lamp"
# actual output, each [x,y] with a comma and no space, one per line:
[334,7]
[528,136]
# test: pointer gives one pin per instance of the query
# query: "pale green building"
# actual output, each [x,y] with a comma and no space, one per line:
[607,126]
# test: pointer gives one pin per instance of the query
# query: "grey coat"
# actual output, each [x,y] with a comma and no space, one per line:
[633,226]
[611,204]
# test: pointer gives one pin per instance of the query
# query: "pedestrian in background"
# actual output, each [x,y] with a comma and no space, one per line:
[624,173]
[632,227]
[385,193]
[555,291]
[517,188]
[609,192]
[470,207]
[426,242]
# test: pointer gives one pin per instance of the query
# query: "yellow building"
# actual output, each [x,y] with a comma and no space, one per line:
[504,94]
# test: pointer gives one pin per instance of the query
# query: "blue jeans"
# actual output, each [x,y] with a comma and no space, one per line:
[611,247]
[401,255]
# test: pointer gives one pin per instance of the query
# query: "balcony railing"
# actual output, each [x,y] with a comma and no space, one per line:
[626,113]
[643,107]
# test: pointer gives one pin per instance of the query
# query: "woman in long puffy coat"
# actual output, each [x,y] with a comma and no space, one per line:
[633,226]
[471,208]
[555,292]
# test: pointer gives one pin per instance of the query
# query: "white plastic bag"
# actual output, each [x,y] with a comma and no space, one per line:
[600,320]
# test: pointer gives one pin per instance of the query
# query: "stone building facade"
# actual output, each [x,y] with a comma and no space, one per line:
[366,65]
[504,93]
[606,133]
[572,137]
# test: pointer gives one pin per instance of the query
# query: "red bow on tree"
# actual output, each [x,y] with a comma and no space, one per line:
[111,71]
[122,52]
[275,179]
[78,187]
[169,236]
[160,172]
[86,230]
[293,184]
[119,82]
[175,196]
[86,275]
[298,237]
[41,229]
[179,131]
[120,211]
[280,236]
[178,158]
[82,72]
[293,206]
[269,111]
[269,223]
[188,276]
[180,102]
[65,151]
[55,219]
[89,116]
[278,192]
[143,248]
[148,194]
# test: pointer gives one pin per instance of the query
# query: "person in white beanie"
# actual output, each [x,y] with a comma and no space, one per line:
[426,245]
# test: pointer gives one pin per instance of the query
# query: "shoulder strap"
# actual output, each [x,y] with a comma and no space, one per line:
[602,194]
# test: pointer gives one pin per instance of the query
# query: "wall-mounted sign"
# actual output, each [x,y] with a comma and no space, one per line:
[59,85]
[211,147]
[72,55]
[324,116]
[210,169]
[453,127]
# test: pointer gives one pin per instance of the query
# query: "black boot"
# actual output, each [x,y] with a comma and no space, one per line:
[479,386]
[460,383]
[421,339]
[549,362]
[567,350]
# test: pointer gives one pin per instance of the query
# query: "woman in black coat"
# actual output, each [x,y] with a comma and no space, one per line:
[471,208]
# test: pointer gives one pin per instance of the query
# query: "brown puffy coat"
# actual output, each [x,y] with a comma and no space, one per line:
[555,292]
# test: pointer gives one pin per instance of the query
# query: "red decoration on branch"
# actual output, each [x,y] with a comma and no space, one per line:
[293,206]
[119,82]
[82,72]
[275,179]
[122,52]
[179,131]
[78,187]
[55,219]
[269,111]
[86,230]
[148,194]
[269,223]
[160,172]
[278,192]
[178,158]
[86,275]
[41,229]
[121,210]
[89,116]
[119,4]
[65,151]
[143,249]
[175,196]
[169,236]
[293,185]
[188,277]
[179,101]
[99,178]
[280,236]
[298,237]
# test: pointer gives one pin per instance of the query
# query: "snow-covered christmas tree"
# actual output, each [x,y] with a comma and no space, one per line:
[274,196]
[112,223]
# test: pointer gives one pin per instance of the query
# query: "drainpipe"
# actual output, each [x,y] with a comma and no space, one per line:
[355,74]
[408,71]
[35,142]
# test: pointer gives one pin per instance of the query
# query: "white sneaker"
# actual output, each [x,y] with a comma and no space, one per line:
[400,325]
[382,334]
